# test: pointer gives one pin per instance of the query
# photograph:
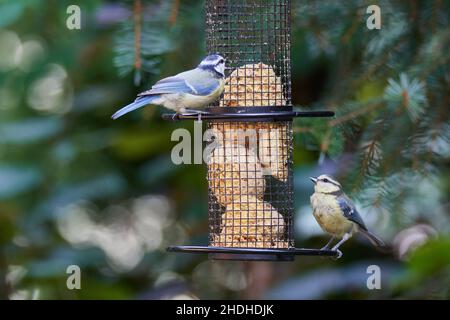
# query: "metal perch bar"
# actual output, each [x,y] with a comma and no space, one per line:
[232,114]
[260,254]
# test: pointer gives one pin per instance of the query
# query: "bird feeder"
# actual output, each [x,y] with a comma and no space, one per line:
[250,174]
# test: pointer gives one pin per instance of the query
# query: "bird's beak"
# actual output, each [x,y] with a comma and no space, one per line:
[314,180]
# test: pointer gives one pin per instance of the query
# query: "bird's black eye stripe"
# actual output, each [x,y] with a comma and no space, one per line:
[330,181]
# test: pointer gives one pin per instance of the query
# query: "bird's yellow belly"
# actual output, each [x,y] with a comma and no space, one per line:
[329,216]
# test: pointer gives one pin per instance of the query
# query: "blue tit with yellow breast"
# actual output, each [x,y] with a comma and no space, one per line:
[336,214]
[190,90]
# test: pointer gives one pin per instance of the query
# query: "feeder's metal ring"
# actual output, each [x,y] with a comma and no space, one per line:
[265,114]
[259,254]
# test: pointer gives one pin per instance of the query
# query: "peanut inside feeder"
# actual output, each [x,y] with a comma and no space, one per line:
[253,85]
[234,173]
[253,223]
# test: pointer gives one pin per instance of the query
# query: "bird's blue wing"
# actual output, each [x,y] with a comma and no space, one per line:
[195,82]
[207,87]
[349,211]
[169,85]
[203,82]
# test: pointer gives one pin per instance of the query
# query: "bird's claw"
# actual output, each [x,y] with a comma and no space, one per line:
[175,116]
[339,254]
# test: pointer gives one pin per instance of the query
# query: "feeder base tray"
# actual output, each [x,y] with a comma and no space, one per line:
[252,254]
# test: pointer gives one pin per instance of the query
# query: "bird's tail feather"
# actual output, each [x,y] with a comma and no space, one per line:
[138,103]
[376,241]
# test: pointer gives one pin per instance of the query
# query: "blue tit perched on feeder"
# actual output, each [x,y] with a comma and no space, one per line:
[189,90]
[336,213]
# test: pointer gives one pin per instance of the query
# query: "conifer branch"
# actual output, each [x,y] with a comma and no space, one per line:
[137,34]
[174,12]
[354,114]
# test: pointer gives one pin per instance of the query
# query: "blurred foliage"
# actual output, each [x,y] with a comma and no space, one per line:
[78,188]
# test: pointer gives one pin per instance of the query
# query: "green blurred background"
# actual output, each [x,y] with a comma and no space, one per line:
[77,188]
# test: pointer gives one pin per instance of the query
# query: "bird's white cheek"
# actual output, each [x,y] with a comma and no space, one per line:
[220,69]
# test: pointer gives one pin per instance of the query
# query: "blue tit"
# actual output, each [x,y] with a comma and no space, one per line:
[194,89]
[336,213]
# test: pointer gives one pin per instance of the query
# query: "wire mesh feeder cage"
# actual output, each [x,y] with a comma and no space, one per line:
[250,174]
